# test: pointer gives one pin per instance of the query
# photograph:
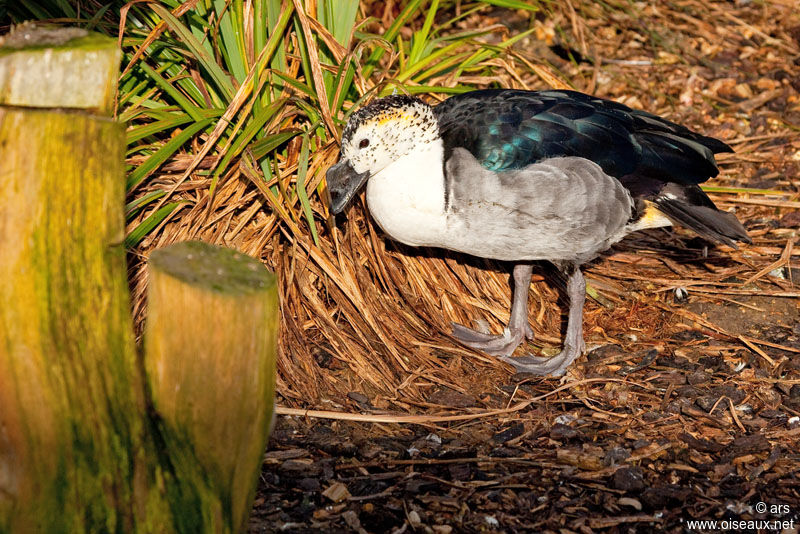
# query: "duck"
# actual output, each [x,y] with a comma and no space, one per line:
[526,176]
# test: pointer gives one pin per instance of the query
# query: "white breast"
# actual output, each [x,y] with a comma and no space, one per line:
[406,198]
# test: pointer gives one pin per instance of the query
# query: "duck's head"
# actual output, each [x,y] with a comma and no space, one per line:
[375,136]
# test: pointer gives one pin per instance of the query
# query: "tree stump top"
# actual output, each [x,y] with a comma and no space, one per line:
[31,35]
[215,268]
[44,66]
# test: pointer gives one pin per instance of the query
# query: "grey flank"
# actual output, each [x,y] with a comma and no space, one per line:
[559,209]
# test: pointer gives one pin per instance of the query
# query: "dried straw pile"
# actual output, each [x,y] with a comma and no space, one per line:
[363,314]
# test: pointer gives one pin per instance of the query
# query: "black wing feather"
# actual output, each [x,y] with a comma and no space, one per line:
[655,159]
[509,129]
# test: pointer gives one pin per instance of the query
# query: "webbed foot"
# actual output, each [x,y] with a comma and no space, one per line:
[495,344]
[573,339]
[554,366]
[517,329]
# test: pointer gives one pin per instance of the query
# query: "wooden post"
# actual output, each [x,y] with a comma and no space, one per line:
[45,67]
[210,343]
[71,432]
[79,451]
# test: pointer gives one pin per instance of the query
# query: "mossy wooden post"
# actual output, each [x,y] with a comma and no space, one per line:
[71,430]
[210,342]
[79,451]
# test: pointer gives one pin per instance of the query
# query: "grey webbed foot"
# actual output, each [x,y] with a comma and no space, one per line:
[518,328]
[573,340]
[495,344]
[504,344]
[554,366]
[468,335]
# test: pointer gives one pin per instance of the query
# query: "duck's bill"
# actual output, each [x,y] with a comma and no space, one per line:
[343,184]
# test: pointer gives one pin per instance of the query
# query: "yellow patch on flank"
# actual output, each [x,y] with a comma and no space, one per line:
[652,217]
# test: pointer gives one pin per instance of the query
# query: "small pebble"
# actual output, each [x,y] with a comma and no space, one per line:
[629,479]
[628,501]
[414,519]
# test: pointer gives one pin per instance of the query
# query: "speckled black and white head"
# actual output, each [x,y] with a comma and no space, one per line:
[376,136]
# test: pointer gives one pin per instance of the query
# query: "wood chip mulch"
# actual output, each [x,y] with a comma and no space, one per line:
[690,407]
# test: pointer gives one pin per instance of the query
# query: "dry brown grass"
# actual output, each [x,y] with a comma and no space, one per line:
[361,313]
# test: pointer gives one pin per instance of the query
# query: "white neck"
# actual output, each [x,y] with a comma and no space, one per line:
[406,198]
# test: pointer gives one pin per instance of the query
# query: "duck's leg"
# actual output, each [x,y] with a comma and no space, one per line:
[573,340]
[518,327]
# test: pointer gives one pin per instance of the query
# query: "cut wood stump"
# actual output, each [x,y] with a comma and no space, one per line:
[83,446]
[44,67]
[71,432]
[210,342]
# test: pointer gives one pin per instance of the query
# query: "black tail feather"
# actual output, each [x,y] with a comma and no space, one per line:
[709,222]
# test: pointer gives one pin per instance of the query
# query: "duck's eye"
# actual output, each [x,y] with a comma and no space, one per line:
[364,143]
